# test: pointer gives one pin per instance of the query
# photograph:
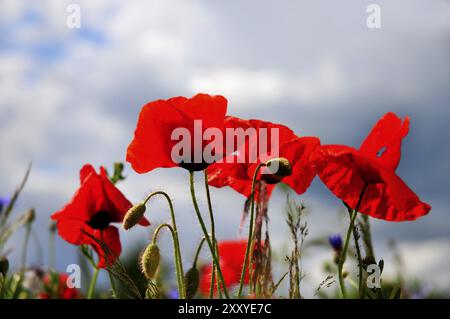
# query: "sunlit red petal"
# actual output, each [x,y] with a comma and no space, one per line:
[383,143]
[345,172]
[152,144]
[232,255]
[299,152]
[110,238]
[237,169]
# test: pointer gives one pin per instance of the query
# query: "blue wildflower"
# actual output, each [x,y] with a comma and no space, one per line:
[173,294]
[3,203]
[335,242]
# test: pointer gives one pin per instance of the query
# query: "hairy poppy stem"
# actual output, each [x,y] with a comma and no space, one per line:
[177,257]
[205,233]
[176,243]
[249,250]
[25,246]
[51,245]
[91,290]
[367,239]
[197,253]
[213,237]
[347,240]
[358,255]
[113,285]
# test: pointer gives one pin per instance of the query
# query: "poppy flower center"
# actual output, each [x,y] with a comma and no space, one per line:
[100,220]
[194,166]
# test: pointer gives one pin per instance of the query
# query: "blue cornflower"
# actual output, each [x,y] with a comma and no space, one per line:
[4,201]
[173,294]
[335,242]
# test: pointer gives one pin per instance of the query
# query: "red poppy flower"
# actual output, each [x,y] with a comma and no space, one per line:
[61,291]
[237,169]
[153,145]
[95,205]
[232,256]
[346,171]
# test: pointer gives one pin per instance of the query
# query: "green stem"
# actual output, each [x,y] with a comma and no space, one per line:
[91,290]
[197,253]
[52,250]
[176,243]
[25,246]
[213,234]
[249,249]
[358,254]
[368,237]
[205,233]
[347,240]
[177,261]
[113,286]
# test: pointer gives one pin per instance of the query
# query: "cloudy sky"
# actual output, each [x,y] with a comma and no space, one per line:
[72,96]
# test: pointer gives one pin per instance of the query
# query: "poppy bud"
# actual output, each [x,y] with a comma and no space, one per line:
[28,217]
[133,216]
[150,261]
[152,291]
[280,167]
[192,280]
[52,226]
[4,266]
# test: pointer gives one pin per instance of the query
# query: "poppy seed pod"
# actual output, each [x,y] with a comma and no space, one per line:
[150,261]
[279,167]
[29,216]
[4,266]
[192,279]
[133,216]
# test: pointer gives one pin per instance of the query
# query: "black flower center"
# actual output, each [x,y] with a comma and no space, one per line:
[271,178]
[194,166]
[99,220]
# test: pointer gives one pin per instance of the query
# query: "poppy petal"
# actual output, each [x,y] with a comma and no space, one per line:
[299,152]
[110,238]
[384,141]
[149,148]
[72,231]
[345,172]
[152,145]
[85,171]
[120,204]
[259,142]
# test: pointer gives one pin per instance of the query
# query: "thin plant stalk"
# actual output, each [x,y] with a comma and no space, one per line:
[347,240]
[25,246]
[367,237]
[249,249]
[51,249]
[205,233]
[176,244]
[113,286]
[358,255]
[197,253]
[213,235]
[91,290]
[177,261]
